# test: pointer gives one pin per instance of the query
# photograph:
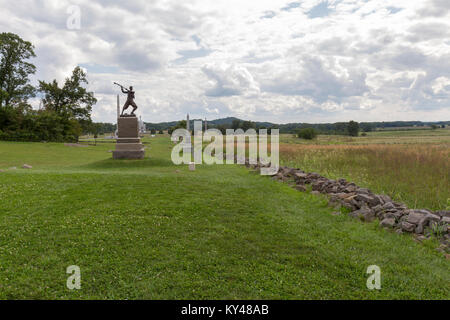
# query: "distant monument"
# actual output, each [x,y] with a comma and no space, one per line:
[142,128]
[128,144]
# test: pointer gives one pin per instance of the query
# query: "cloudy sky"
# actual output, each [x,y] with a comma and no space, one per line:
[278,61]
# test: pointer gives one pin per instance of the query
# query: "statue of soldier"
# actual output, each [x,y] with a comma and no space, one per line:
[130,99]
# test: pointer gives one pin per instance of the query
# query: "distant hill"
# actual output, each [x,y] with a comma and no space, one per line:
[331,128]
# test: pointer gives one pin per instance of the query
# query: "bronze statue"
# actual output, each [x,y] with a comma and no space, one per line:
[130,99]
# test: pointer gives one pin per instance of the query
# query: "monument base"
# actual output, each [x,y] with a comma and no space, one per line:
[128,154]
[128,144]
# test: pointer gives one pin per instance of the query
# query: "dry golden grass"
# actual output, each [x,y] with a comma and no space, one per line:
[417,174]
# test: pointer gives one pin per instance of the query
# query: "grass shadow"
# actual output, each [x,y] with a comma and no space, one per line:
[128,164]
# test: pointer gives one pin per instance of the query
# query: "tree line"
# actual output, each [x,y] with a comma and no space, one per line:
[65,110]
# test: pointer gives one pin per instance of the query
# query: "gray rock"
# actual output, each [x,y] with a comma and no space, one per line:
[300,187]
[406,226]
[415,217]
[388,222]
[363,191]
[13,168]
[370,200]
[443,213]
[350,188]
[420,238]
[369,216]
[377,208]
[363,213]
[446,220]
[422,211]
[27,166]
[301,175]
[388,205]
[315,192]
[385,198]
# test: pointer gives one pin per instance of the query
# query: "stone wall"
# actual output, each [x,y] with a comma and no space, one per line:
[367,206]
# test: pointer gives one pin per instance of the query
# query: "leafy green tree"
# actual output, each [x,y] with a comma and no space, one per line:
[247,125]
[15,70]
[353,128]
[72,101]
[307,133]
[235,124]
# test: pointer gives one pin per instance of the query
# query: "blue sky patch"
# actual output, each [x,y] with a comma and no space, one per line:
[321,10]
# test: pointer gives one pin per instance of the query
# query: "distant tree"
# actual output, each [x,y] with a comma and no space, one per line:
[248,125]
[222,128]
[307,133]
[152,131]
[443,126]
[366,127]
[353,128]
[161,132]
[434,127]
[15,70]
[235,124]
[72,100]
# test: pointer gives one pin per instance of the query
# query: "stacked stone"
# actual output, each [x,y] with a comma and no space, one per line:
[367,206]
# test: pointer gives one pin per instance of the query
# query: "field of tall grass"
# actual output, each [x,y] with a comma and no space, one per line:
[417,174]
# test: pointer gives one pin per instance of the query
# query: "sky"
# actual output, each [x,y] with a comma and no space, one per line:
[263,60]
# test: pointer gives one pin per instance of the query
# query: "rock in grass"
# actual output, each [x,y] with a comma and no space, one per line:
[300,187]
[408,227]
[443,213]
[388,222]
[27,166]
[13,168]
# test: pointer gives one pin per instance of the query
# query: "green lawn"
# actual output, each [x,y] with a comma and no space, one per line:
[151,230]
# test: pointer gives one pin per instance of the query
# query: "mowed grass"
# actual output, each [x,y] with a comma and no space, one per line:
[414,171]
[151,230]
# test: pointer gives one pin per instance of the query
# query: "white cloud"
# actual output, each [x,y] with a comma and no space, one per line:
[280,61]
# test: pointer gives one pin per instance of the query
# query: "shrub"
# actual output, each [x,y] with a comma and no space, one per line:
[307,133]
[353,128]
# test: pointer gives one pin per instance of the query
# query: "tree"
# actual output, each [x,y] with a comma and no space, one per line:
[366,127]
[353,128]
[307,133]
[14,70]
[248,125]
[72,100]
[235,124]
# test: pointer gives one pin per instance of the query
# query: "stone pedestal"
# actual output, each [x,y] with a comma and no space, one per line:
[128,144]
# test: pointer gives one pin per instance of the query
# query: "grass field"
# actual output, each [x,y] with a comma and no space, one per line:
[151,230]
[410,166]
